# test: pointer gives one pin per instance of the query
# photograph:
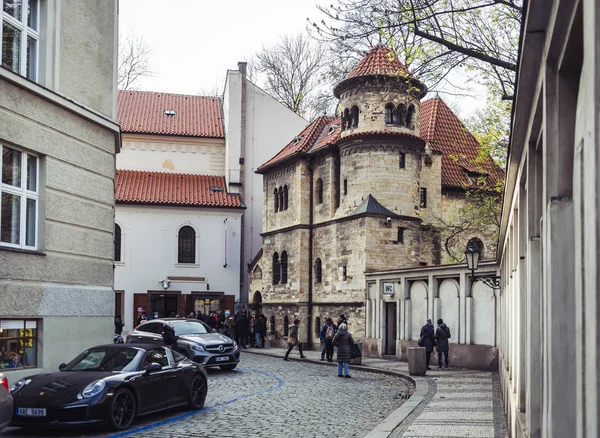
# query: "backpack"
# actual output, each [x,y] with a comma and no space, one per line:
[329,333]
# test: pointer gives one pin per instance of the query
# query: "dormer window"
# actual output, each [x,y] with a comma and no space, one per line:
[217,189]
[297,139]
[170,113]
[332,129]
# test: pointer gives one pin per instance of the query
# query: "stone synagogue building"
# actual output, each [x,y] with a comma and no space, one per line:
[361,193]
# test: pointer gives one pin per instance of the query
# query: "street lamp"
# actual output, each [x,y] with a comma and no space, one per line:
[473,254]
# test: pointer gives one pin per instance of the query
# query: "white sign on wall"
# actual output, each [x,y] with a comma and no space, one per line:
[388,288]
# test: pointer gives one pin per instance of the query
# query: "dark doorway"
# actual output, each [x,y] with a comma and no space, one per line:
[390,329]
[163,305]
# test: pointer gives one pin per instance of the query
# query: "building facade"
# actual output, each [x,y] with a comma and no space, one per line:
[549,246]
[361,193]
[59,139]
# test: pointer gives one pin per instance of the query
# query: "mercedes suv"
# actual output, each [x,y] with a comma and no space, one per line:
[196,340]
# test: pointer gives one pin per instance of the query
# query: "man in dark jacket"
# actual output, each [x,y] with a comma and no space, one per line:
[259,329]
[428,337]
[442,334]
[242,329]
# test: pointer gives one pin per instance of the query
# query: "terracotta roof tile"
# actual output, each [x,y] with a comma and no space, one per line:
[445,133]
[144,112]
[140,187]
[379,61]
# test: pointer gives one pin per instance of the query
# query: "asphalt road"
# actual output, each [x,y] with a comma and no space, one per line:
[268,397]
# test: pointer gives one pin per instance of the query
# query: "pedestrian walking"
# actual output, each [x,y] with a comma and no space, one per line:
[326,336]
[293,340]
[343,341]
[259,327]
[169,336]
[442,334]
[118,325]
[427,338]
[263,333]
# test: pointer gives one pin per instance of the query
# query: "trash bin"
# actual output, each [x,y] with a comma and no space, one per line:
[356,353]
[416,361]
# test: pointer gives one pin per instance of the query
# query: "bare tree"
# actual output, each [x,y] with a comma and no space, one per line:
[134,61]
[293,70]
[432,37]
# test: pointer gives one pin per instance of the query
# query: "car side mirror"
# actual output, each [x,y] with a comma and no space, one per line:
[152,368]
[62,366]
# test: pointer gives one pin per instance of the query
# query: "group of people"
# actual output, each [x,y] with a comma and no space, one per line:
[331,335]
[437,338]
[246,330]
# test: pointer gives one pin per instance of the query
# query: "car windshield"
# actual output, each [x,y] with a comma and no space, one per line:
[190,328]
[106,359]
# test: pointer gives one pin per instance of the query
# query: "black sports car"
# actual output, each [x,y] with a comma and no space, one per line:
[110,384]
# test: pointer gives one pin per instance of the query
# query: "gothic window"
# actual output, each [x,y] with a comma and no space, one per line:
[286,325]
[389,111]
[281,198]
[402,160]
[409,116]
[276,268]
[400,115]
[354,116]
[276,200]
[257,274]
[117,243]
[318,271]
[284,267]
[285,197]
[319,191]
[400,235]
[187,245]
[423,197]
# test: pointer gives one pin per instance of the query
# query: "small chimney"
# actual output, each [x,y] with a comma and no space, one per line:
[242,68]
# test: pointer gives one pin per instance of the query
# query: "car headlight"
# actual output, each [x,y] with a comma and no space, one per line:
[235,345]
[93,389]
[199,348]
[20,384]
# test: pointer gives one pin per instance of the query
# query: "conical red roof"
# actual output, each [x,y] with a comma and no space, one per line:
[379,61]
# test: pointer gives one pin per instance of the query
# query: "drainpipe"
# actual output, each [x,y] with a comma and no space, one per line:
[310,257]
[243,284]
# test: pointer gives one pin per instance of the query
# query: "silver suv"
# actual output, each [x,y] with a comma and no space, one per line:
[196,340]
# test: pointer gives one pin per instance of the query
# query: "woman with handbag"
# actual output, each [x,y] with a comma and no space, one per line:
[343,341]
[293,340]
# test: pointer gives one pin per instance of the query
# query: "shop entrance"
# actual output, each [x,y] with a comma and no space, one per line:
[163,304]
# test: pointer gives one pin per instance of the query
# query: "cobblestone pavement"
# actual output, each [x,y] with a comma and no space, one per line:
[268,397]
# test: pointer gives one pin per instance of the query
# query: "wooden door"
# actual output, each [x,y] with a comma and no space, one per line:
[227,303]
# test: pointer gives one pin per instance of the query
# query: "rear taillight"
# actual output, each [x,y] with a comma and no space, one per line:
[127,337]
[4,382]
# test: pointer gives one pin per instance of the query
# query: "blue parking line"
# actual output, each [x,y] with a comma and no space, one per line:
[280,383]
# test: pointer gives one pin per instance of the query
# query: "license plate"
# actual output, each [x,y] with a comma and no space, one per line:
[31,412]
[222,358]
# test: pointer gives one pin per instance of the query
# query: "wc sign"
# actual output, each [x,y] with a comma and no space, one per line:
[388,288]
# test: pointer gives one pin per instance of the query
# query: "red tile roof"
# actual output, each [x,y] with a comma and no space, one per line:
[141,187]
[379,61]
[144,112]
[440,127]
[445,133]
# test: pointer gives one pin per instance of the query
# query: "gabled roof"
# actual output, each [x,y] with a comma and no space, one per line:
[445,133]
[141,187]
[372,206]
[145,112]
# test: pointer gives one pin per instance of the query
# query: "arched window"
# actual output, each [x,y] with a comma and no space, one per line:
[346,124]
[318,326]
[276,200]
[344,121]
[318,271]
[389,111]
[272,325]
[319,191]
[286,325]
[354,116]
[410,116]
[400,115]
[285,197]
[281,198]
[276,268]
[117,243]
[187,245]
[284,266]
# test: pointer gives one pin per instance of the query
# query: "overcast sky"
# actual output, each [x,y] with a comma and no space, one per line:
[194,42]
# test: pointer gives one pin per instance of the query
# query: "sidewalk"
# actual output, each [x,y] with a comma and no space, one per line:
[446,403]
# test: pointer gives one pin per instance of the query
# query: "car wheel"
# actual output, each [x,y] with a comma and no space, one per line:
[122,409]
[198,392]
[228,367]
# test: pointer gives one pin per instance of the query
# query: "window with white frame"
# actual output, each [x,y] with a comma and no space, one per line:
[19,195]
[20,36]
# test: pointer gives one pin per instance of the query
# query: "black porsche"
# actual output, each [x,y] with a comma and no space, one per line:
[110,384]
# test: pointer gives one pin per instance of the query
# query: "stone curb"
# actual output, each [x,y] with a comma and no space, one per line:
[393,421]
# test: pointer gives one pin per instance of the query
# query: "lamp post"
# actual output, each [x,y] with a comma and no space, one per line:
[473,254]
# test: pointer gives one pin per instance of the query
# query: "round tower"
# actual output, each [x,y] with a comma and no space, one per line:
[380,147]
